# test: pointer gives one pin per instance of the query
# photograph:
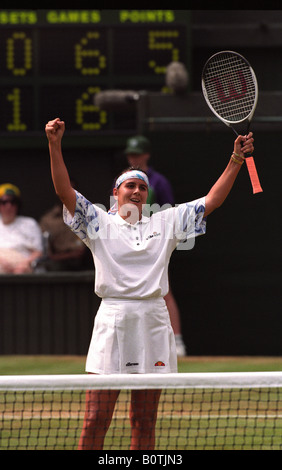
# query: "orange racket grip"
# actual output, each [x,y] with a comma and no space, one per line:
[253,175]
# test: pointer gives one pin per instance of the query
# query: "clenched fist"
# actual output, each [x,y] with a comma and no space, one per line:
[55,130]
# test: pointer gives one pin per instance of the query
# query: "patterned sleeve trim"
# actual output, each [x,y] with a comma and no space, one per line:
[191,221]
[85,220]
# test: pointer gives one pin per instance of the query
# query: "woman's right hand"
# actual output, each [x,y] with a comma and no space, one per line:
[55,130]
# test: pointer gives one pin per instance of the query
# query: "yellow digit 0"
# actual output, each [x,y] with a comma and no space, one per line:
[11,44]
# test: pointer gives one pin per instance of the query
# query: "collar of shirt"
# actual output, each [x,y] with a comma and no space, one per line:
[121,221]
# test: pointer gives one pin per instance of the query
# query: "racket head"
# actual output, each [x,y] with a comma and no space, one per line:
[230,87]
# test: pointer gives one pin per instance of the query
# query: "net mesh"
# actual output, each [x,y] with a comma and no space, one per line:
[230,86]
[195,411]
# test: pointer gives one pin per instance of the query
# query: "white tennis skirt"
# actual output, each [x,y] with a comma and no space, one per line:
[132,336]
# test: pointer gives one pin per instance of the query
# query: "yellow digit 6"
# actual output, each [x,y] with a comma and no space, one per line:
[82,53]
[163,40]
[85,105]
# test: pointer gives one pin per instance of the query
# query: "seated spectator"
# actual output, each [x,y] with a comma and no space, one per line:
[65,252]
[20,236]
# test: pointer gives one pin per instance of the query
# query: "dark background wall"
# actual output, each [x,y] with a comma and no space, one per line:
[228,286]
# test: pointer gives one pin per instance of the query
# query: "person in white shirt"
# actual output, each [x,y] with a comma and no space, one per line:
[20,236]
[132,331]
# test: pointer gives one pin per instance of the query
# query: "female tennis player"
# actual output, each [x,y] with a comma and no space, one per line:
[132,331]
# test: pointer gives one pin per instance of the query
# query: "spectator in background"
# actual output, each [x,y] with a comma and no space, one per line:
[65,251]
[138,152]
[20,236]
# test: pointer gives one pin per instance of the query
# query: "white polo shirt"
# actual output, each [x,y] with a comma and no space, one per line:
[131,261]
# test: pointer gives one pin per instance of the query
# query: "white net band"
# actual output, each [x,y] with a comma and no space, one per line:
[142,381]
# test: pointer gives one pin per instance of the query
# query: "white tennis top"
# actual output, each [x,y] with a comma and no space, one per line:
[131,261]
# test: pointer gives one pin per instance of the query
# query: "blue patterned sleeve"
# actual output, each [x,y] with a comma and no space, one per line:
[85,222]
[190,220]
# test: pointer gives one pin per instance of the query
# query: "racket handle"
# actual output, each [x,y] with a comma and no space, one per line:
[253,175]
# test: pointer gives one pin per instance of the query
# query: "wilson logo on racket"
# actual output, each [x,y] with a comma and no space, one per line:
[233,94]
[159,363]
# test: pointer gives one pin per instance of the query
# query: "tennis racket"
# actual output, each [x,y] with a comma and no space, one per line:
[230,89]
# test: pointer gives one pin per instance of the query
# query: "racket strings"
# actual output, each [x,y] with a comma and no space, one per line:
[230,87]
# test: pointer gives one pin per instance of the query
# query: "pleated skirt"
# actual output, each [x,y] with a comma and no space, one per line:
[132,336]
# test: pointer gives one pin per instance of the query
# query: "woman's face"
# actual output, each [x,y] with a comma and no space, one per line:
[8,209]
[131,195]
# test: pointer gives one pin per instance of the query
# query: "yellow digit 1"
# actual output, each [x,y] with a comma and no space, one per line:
[160,41]
[82,53]
[15,98]
[85,105]
[27,53]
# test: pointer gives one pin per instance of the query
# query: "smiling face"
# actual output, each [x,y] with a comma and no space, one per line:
[131,195]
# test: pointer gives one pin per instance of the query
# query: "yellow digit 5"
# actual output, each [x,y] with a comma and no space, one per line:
[160,41]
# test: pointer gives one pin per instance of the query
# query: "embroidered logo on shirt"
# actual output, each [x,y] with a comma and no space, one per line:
[160,363]
[154,234]
[132,364]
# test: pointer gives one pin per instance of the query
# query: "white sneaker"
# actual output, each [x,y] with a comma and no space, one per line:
[180,346]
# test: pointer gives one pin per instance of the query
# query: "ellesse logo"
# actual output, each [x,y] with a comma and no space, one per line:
[159,363]
[154,234]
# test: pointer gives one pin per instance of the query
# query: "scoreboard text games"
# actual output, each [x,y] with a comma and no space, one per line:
[52,62]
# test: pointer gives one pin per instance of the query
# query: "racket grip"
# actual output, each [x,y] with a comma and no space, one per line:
[253,175]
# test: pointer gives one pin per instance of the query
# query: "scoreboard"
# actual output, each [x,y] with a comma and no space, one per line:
[53,62]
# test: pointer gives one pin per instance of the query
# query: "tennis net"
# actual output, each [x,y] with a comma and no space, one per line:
[196,411]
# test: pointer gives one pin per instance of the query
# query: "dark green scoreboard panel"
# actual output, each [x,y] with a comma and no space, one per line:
[52,62]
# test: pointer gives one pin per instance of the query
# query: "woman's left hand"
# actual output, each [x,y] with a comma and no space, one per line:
[244,144]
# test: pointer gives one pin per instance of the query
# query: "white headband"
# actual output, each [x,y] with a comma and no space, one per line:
[132,174]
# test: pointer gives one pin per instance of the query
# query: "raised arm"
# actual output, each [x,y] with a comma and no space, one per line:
[222,187]
[55,130]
